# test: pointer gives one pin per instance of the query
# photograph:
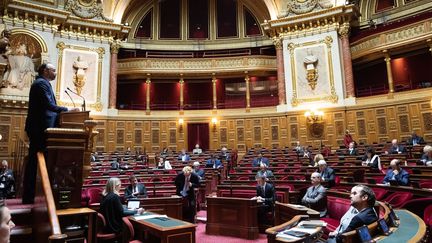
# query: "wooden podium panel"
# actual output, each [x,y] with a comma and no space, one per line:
[170,206]
[284,212]
[73,119]
[232,217]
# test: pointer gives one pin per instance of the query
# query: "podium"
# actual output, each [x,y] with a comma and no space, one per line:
[68,157]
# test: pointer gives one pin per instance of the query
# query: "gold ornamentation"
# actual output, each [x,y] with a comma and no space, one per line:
[87,9]
[278,42]
[115,46]
[61,46]
[344,30]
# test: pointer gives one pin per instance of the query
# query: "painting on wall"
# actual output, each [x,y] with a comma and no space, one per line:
[312,71]
[79,72]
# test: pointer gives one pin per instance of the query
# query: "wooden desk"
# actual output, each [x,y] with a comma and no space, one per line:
[272,232]
[81,212]
[284,212]
[170,231]
[170,206]
[232,216]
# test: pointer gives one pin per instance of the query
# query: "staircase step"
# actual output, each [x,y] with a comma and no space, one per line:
[21,234]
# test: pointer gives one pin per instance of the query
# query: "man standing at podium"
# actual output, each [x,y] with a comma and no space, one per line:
[42,114]
[265,196]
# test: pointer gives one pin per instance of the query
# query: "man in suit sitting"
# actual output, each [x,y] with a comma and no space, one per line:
[352,151]
[185,183]
[396,148]
[265,172]
[214,163]
[135,189]
[327,173]
[183,156]
[200,172]
[260,160]
[426,158]
[315,196]
[360,213]
[415,139]
[265,196]
[397,174]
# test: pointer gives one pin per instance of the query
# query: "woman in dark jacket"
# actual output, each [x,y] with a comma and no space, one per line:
[111,207]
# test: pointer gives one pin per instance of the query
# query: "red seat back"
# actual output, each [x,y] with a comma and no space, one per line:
[337,207]
[94,194]
[397,199]
[379,193]
[428,216]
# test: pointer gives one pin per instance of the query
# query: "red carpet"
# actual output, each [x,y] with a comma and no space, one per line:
[202,237]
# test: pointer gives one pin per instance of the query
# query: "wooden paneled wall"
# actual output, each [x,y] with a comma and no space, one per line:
[368,124]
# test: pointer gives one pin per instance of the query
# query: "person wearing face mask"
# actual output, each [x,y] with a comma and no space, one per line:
[6,223]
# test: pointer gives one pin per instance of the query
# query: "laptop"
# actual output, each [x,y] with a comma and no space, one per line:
[364,235]
[133,204]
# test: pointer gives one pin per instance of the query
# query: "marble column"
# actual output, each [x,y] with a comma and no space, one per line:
[247,92]
[280,70]
[214,92]
[387,60]
[148,83]
[112,100]
[347,61]
[181,93]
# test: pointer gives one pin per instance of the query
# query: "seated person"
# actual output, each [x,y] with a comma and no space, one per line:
[265,172]
[112,209]
[371,159]
[164,164]
[327,173]
[397,174]
[260,160]
[7,181]
[415,140]
[165,152]
[426,158]
[115,165]
[347,139]
[395,148]
[197,149]
[265,196]
[299,149]
[315,196]
[183,156]
[316,159]
[214,163]
[199,171]
[360,213]
[326,151]
[352,151]
[224,154]
[135,189]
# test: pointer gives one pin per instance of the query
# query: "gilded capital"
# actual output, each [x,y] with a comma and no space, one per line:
[115,46]
[344,30]
[277,41]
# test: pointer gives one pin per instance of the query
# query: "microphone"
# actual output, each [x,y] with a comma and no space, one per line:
[70,97]
[82,97]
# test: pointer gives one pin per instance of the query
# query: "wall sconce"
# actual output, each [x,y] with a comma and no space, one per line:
[314,115]
[180,122]
[214,123]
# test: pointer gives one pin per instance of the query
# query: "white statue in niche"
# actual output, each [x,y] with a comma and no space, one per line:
[311,62]
[80,66]
[21,71]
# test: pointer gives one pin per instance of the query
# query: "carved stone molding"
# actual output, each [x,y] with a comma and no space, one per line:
[344,30]
[87,9]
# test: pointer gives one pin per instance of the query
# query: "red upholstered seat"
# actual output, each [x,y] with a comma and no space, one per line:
[428,216]
[426,184]
[100,235]
[84,198]
[94,194]
[379,193]
[397,199]
[336,208]
[129,232]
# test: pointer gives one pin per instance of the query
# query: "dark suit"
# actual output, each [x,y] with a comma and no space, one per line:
[353,152]
[189,202]
[416,140]
[42,114]
[365,217]
[316,198]
[257,161]
[214,163]
[113,211]
[269,196]
[142,191]
[328,174]
[397,149]
[402,178]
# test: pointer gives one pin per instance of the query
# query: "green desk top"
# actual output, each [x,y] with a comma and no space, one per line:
[163,221]
[408,228]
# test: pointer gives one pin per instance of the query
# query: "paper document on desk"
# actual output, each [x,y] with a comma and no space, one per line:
[151,216]
[297,206]
[312,223]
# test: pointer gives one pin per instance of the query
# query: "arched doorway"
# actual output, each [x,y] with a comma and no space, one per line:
[198,133]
